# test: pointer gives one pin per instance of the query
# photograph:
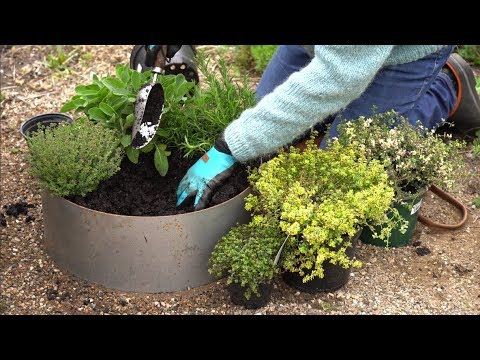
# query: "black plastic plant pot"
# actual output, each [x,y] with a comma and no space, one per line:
[237,295]
[335,276]
[31,125]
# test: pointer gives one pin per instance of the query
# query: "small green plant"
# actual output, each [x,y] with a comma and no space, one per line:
[109,100]
[87,56]
[470,53]
[476,202]
[318,197]
[261,55]
[1,96]
[326,306]
[243,57]
[414,156]
[478,85]
[246,255]
[254,57]
[476,144]
[73,159]
[60,60]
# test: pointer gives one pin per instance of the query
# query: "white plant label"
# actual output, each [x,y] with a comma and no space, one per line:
[416,207]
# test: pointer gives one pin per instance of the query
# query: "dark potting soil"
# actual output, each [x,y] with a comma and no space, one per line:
[138,189]
[3,220]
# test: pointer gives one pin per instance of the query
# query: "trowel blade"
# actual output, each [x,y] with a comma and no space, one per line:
[148,113]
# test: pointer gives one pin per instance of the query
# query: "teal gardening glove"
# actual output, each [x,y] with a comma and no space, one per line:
[206,174]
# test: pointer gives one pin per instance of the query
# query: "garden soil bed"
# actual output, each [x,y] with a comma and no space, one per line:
[437,274]
[138,189]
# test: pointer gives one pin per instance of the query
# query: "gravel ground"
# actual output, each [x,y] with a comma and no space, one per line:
[438,274]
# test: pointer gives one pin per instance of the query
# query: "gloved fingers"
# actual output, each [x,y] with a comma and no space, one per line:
[217,180]
[202,198]
[182,197]
[184,184]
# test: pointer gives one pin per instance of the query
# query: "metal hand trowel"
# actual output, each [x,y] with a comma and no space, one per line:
[148,111]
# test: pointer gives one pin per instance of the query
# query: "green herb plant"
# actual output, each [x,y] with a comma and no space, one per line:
[254,57]
[73,159]
[246,255]
[413,156]
[110,101]
[476,202]
[60,60]
[262,54]
[319,200]
[195,126]
[192,119]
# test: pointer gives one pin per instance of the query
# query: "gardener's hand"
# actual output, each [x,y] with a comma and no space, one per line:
[206,174]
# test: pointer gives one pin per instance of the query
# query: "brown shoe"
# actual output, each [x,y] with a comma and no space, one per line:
[466,113]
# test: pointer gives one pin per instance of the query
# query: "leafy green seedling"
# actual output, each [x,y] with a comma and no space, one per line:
[60,60]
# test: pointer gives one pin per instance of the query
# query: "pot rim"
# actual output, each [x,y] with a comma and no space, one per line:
[46,114]
[67,117]
[419,194]
[192,213]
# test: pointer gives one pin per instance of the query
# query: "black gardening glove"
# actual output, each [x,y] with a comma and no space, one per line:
[165,52]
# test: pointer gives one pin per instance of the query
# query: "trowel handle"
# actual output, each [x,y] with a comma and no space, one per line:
[160,59]
[159,64]
[156,70]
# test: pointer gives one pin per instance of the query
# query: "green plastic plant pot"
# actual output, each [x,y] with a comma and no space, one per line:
[397,239]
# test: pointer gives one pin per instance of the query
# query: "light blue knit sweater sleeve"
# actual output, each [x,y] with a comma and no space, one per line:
[336,76]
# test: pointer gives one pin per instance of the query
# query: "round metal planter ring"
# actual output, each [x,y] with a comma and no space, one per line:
[137,253]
